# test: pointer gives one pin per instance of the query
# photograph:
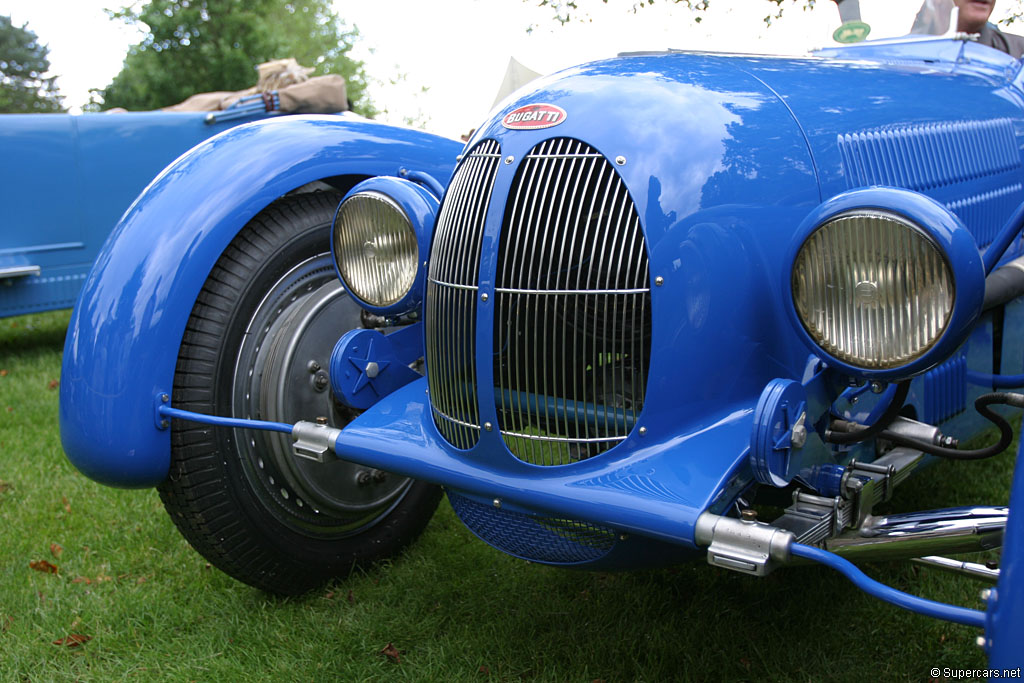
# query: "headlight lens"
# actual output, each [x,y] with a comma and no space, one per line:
[375,248]
[872,289]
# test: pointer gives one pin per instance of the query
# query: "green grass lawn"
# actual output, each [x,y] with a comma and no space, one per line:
[451,606]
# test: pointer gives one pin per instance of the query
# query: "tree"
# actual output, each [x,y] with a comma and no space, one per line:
[567,10]
[209,45]
[23,65]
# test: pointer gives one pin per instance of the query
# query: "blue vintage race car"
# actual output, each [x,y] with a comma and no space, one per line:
[67,180]
[652,297]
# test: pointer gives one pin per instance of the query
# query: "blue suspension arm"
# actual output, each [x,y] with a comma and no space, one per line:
[929,608]
[167,411]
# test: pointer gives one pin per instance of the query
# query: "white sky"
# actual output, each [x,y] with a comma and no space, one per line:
[458,49]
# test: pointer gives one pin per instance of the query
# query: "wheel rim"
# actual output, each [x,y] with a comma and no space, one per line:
[281,376]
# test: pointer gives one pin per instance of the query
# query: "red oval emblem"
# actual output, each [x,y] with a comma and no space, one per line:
[534,117]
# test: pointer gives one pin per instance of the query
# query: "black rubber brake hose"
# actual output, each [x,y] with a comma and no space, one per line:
[883,421]
[982,406]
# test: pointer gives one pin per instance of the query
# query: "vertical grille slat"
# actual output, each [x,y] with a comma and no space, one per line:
[572,326]
[452,284]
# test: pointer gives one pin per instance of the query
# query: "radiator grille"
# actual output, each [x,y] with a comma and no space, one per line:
[452,297]
[537,538]
[572,328]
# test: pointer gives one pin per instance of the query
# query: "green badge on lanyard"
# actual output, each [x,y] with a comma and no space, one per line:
[851,32]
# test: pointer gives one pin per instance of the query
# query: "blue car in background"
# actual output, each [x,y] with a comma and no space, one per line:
[67,179]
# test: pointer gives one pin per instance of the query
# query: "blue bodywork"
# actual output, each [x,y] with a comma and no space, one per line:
[149,272]
[67,179]
[721,200]
[724,158]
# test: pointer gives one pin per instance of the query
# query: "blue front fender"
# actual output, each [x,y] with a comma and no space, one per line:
[122,343]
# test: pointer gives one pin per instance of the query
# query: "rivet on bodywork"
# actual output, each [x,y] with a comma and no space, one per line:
[509,159]
[484,297]
[620,160]
[643,431]
[488,426]
[659,281]
[497,502]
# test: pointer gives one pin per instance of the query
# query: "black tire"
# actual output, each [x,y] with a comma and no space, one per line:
[257,345]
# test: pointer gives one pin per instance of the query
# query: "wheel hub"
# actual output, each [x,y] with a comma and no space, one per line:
[281,377]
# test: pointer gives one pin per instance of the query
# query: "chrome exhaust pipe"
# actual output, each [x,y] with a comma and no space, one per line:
[920,534]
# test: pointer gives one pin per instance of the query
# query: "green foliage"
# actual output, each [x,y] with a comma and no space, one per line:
[196,46]
[567,10]
[23,64]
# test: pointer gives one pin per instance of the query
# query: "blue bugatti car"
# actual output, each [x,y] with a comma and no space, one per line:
[665,306]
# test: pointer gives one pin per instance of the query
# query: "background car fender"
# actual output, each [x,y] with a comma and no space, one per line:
[125,331]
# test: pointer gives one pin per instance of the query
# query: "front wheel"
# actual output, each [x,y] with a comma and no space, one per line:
[257,345]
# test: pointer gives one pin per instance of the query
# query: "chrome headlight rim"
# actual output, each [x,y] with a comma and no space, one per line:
[942,229]
[417,207]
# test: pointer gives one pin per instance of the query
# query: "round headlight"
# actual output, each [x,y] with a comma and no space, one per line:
[872,289]
[376,248]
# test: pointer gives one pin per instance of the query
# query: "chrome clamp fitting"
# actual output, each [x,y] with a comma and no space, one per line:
[313,441]
[745,546]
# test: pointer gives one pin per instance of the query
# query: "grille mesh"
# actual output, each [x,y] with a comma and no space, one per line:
[452,296]
[541,539]
[572,313]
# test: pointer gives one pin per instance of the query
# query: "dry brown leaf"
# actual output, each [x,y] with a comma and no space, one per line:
[486,671]
[351,598]
[82,579]
[103,577]
[329,596]
[73,640]
[3,373]
[141,579]
[7,623]
[10,409]
[53,384]
[392,653]
[56,549]
[43,566]
[67,504]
